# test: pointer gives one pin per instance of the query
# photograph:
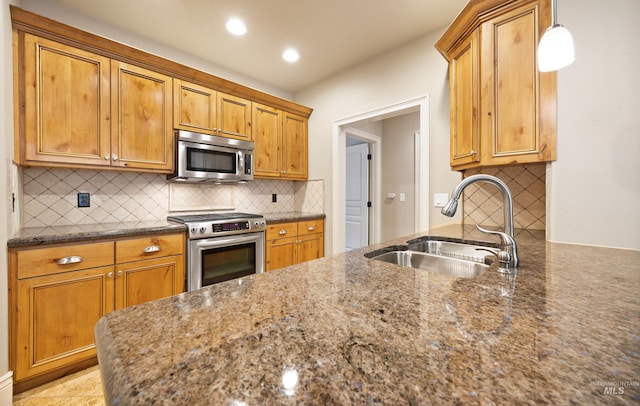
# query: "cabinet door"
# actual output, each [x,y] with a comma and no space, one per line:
[142,281]
[294,146]
[55,318]
[512,130]
[280,253]
[194,107]
[67,104]
[267,133]
[310,247]
[464,121]
[142,134]
[234,117]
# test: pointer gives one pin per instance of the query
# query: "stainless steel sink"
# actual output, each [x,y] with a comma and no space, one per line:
[443,257]
[455,250]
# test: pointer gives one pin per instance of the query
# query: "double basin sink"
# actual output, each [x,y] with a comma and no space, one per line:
[454,258]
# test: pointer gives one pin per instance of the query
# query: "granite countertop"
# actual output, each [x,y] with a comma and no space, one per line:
[285,217]
[350,330]
[36,236]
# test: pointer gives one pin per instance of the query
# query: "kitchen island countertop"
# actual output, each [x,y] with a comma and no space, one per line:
[350,330]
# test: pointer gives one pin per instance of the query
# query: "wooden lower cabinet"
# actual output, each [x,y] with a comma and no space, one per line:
[142,281]
[55,316]
[294,242]
[58,293]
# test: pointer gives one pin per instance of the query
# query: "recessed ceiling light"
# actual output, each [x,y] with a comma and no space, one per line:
[290,55]
[236,27]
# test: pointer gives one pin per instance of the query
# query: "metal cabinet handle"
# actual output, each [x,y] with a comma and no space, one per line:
[282,232]
[115,157]
[106,157]
[472,152]
[73,259]
[110,275]
[119,273]
[311,228]
[151,248]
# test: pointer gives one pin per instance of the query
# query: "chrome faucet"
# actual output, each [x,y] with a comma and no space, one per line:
[506,238]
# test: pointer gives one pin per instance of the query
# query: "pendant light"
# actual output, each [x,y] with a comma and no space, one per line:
[555,50]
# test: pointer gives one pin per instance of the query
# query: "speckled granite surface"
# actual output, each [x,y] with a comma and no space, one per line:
[275,218]
[351,330]
[86,232]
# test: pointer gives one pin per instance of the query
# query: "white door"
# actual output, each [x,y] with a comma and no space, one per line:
[357,196]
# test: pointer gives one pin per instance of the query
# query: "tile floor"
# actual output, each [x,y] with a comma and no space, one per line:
[80,389]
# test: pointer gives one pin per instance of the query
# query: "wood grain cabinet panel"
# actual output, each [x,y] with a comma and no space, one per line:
[142,281]
[464,103]
[55,317]
[293,242]
[294,144]
[503,111]
[67,104]
[142,132]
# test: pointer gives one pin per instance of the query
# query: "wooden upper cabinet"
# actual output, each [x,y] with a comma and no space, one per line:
[295,151]
[465,89]
[194,107]
[514,112]
[142,132]
[67,104]
[280,143]
[267,130]
[204,110]
[234,117]
[81,110]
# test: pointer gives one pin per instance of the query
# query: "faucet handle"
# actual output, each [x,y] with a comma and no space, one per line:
[508,241]
[505,239]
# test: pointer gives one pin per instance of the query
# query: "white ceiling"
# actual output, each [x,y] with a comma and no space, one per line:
[330,35]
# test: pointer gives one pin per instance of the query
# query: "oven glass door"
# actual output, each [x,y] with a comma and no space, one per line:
[215,260]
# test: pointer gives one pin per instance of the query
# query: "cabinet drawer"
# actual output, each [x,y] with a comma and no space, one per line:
[52,260]
[282,230]
[310,227]
[149,247]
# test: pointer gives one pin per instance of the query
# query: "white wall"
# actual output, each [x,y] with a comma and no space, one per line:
[410,71]
[398,175]
[595,183]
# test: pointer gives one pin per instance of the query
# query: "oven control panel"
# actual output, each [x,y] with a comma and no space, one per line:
[219,228]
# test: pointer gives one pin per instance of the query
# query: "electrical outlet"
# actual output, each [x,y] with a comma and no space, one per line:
[440,199]
[84,200]
[274,198]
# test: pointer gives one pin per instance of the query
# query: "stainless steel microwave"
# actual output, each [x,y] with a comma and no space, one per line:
[208,158]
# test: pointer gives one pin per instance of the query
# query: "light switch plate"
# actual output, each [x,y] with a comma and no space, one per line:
[440,199]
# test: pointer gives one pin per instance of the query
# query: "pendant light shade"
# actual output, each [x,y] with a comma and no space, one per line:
[555,50]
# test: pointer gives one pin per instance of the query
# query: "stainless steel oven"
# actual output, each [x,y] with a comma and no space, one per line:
[222,247]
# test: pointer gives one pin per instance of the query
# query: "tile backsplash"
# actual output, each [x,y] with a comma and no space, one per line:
[49,196]
[483,203]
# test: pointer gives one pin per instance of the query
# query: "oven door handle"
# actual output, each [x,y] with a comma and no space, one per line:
[229,241]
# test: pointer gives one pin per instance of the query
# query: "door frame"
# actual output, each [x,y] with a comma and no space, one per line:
[375,180]
[339,173]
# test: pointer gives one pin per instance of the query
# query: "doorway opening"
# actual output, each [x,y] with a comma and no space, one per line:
[346,129]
